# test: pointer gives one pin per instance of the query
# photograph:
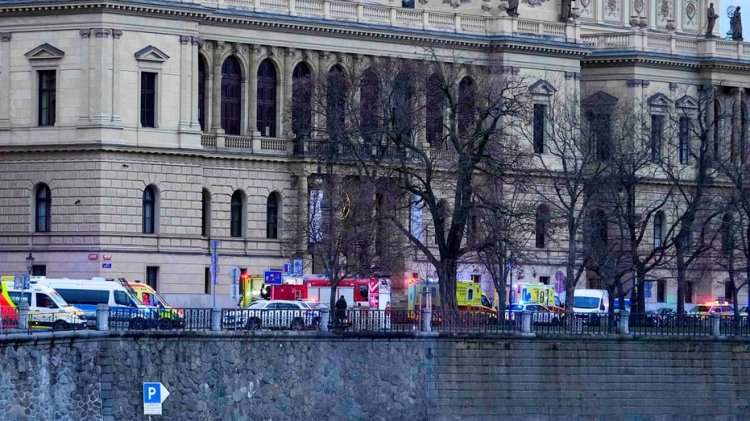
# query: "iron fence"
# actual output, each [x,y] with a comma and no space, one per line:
[734,325]
[470,321]
[270,319]
[670,324]
[357,320]
[125,318]
[579,324]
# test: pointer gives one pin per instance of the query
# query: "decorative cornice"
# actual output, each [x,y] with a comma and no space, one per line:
[116,33]
[185,39]
[85,33]
[102,32]
[5,36]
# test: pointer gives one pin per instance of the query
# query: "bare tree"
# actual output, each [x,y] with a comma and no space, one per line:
[570,161]
[463,114]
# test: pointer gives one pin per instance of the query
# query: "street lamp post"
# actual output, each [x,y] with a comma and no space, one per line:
[30,263]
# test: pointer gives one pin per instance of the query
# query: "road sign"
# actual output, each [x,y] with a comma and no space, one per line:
[93,256]
[215,261]
[154,394]
[297,267]
[234,277]
[272,277]
[648,288]
[18,282]
[26,281]
[287,268]
[106,265]
[106,256]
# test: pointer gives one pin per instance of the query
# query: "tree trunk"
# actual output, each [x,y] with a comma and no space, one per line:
[570,269]
[681,280]
[447,283]
[641,293]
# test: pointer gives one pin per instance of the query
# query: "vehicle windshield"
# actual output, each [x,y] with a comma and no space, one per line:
[586,302]
[516,307]
[700,309]
[486,301]
[58,299]
[304,305]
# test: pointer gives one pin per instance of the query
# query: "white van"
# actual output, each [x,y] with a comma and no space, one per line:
[591,301]
[47,308]
[86,294]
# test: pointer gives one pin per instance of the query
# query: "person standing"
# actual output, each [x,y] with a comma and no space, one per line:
[340,310]
[711,17]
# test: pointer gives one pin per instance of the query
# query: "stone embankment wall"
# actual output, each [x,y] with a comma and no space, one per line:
[314,376]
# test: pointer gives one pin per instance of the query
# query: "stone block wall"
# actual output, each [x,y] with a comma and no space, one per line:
[309,376]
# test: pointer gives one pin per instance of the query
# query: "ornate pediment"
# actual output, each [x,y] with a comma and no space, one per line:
[686,102]
[45,51]
[542,87]
[599,99]
[151,53]
[659,100]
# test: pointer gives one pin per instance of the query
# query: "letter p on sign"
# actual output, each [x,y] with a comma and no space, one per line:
[154,395]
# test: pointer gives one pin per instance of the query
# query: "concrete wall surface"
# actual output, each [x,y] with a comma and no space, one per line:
[311,376]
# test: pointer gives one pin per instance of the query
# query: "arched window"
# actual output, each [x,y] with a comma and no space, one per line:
[149,210]
[658,229]
[237,214]
[272,216]
[369,108]
[401,105]
[434,108]
[266,114]
[302,101]
[205,213]
[231,96]
[542,222]
[202,74]
[465,107]
[335,103]
[43,206]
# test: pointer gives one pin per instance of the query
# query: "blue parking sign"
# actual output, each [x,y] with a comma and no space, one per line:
[151,392]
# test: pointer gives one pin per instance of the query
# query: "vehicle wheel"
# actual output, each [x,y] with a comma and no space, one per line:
[60,325]
[298,324]
[165,324]
[555,321]
[253,324]
[137,324]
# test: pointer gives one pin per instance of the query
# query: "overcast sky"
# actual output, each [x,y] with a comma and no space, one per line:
[745,5]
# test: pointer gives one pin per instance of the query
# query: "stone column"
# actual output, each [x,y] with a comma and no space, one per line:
[736,122]
[677,14]
[285,129]
[186,82]
[100,90]
[246,97]
[302,208]
[252,127]
[102,317]
[626,12]
[5,38]
[116,78]
[216,88]
[194,123]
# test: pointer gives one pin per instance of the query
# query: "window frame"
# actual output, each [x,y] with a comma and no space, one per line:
[46,204]
[51,109]
[541,221]
[205,213]
[148,99]
[152,277]
[231,126]
[267,84]
[685,126]
[539,127]
[656,139]
[273,206]
[237,206]
[659,216]
[149,210]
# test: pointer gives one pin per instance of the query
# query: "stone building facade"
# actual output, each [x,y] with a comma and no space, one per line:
[137,132]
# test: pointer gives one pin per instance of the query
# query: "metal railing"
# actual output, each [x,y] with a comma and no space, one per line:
[670,325]
[261,319]
[123,318]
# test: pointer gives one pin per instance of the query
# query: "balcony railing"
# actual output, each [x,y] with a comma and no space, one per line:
[668,43]
[395,16]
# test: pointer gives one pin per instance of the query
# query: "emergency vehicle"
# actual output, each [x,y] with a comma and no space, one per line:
[8,311]
[46,307]
[469,296]
[168,315]
[538,293]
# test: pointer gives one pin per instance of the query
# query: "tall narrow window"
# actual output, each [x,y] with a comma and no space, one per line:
[401,106]
[202,93]
[231,96]
[39,270]
[540,115]
[272,216]
[152,275]
[47,97]
[657,129]
[658,229]
[237,209]
[542,218]
[205,213]
[684,134]
[207,281]
[369,108]
[149,210]
[726,230]
[743,131]
[43,208]
[301,101]
[717,128]
[600,126]
[148,99]
[689,292]
[661,291]
[335,103]
[434,111]
[466,107]
[728,290]
[266,108]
